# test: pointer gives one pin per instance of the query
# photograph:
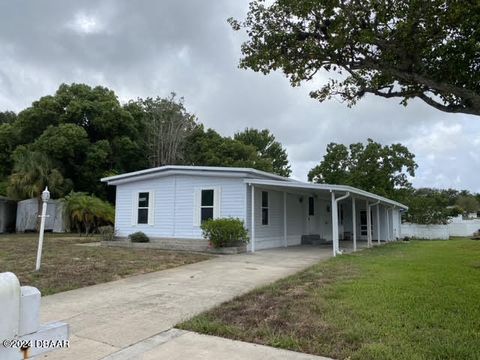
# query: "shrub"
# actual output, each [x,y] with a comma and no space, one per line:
[87,212]
[107,233]
[225,232]
[138,237]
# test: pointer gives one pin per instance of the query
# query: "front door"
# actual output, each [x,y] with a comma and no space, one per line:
[312,216]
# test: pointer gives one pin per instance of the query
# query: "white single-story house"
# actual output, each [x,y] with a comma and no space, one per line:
[169,203]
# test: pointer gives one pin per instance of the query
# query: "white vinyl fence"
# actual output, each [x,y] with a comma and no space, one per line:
[455,228]
[428,232]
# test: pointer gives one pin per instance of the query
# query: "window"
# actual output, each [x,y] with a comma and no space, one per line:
[341,214]
[206,208]
[311,206]
[264,207]
[143,207]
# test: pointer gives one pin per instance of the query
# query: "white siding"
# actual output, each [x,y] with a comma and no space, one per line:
[397,233]
[272,235]
[163,189]
[296,213]
[232,201]
[174,204]
[325,218]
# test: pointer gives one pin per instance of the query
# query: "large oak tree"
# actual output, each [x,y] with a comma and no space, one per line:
[391,48]
[381,169]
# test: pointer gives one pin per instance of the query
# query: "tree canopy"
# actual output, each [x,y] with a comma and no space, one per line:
[82,133]
[394,49]
[268,148]
[167,125]
[209,148]
[371,167]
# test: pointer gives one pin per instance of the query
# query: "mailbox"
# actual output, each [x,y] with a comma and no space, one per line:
[21,335]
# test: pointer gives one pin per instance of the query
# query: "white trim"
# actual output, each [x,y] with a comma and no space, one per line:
[369,223]
[335,236]
[378,223]
[325,187]
[197,203]
[265,207]
[388,223]
[354,224]
[150,208]
[285,238]
[190,170]
[252,224]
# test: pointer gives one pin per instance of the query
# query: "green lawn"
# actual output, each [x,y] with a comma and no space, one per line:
[412,300]
[67,265]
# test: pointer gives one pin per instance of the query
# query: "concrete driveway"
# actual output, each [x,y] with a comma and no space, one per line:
[130,318]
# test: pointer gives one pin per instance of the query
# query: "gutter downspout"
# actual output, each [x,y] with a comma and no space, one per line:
[335,240]
[252,221]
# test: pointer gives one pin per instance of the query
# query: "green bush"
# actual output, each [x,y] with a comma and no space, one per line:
[225,232]
[107,233]
[138,237]
[87,212]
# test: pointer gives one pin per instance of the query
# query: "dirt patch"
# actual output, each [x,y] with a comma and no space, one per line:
[66,265]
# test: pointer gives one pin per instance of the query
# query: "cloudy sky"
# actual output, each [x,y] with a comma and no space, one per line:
[149,48]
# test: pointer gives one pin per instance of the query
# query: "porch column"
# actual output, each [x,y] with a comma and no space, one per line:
[252,235]
[388,223]
[369,224]
[378,223]
[334,224]
[285,219]
[354,225]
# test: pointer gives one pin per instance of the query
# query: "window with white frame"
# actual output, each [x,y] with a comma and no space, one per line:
[143,207]
[207,205]
[265,208]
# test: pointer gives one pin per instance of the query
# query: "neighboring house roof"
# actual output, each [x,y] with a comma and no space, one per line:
[250,176]
[192,170]
[326,187]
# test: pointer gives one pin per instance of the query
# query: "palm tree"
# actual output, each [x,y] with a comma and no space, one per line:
[88,211]
[32,172]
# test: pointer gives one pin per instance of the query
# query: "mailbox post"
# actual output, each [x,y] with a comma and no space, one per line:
[45,198]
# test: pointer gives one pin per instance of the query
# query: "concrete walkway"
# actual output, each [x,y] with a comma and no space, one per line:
[129,316]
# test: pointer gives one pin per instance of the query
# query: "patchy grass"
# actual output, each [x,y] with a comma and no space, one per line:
[67,265]
[416,300]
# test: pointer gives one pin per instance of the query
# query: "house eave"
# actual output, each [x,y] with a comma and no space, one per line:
[191,170]
[299,186]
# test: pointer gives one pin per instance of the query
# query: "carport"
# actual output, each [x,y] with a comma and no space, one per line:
[283,213]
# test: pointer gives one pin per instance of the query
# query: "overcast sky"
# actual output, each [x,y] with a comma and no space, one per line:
[149,48]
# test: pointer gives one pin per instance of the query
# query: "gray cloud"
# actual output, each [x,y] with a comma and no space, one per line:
[150,48]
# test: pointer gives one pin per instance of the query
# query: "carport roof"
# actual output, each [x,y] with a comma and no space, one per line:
[324,187]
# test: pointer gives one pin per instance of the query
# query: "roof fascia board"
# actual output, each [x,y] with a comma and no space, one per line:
[194,170]
[326,187]
[171,173]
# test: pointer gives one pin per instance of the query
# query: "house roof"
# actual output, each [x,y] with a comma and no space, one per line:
[299,185]
[193,170]
[250,176]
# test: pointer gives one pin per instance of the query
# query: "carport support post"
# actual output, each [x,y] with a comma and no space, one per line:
[252,222]
[378,223]
[334,224]
[369,225]
[285,219]
[388,223]
[354,225]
